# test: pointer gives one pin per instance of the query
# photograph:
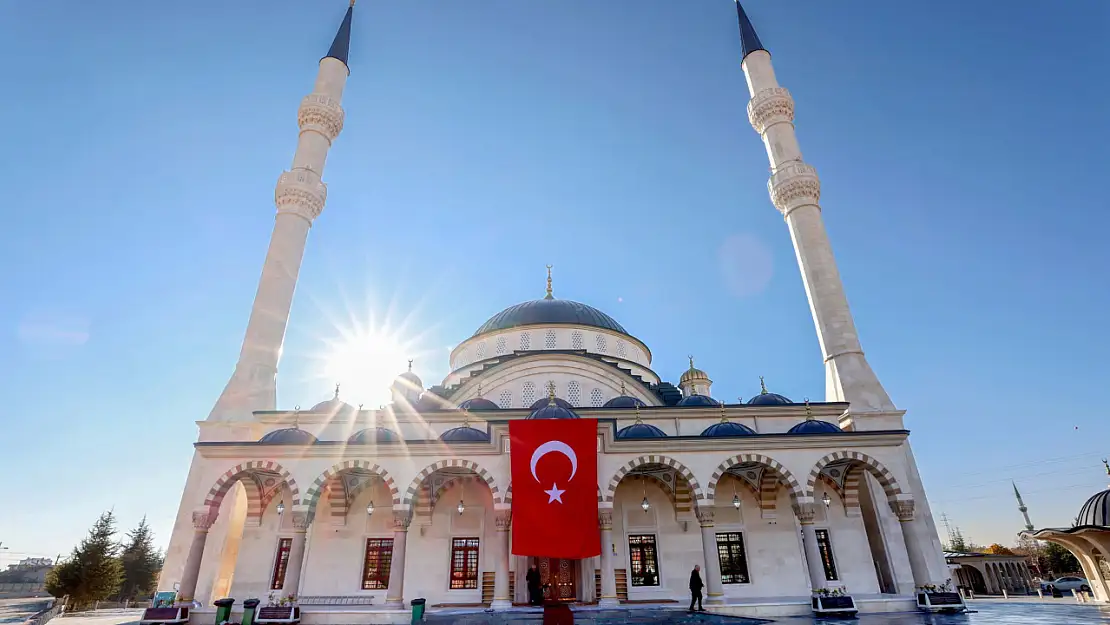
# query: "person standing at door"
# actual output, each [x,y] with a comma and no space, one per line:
[534,593]
[695,588]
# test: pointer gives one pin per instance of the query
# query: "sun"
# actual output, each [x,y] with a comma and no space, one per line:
[365,364]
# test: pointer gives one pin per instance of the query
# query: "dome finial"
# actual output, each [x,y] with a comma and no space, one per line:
[623,391]
[762,386]
[410,364]
[691,362]
[809,413]
[638,419]
[479,389]
[549,295]
[724,417]
[337,390]
[551,393]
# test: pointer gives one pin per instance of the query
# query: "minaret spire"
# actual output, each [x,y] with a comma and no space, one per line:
[1022,508]
[749,40]
[300,197]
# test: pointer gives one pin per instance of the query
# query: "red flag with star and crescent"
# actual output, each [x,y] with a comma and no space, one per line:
[554,474]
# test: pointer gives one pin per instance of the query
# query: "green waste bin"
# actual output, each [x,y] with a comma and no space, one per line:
[249,607]
[223,610]
[418,609]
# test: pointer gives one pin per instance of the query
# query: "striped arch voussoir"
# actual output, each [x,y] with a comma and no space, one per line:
[768,485]
[457,463]
[695,488]
[312,497]
[246,472]
[859,460]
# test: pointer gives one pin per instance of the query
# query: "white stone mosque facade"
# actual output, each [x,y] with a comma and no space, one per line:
[357,511]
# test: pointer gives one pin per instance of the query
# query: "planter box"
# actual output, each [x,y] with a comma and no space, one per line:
[286,614]
[940,602]
[157,616]
[842,605]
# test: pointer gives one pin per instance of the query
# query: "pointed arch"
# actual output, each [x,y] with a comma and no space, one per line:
[457,463]
[683,470]
[767,490]
[312,496]
[860,460]
[253,474]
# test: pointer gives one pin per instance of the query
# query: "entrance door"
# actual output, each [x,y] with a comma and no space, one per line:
[560,576]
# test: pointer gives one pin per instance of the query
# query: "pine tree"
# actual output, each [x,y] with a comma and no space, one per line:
[93,572]
[141,563]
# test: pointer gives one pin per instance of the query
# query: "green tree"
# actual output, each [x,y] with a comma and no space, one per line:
[93,572]
[141,563]
[1059,561]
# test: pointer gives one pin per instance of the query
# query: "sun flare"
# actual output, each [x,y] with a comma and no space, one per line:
[365,364]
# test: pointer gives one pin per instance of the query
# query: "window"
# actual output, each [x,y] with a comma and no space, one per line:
[506,400]
[576,340]
[734,564]
[501,345]
[824,547]
[574,393]
[525,341]
[528,394]
[642,560]
[464,563]
[596,398]
[281,562]
[375,566]
[549,339]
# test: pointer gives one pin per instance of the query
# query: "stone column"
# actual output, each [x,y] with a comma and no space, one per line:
[911,534]
[608,598]
[715,590]
[806,512]
[501,598]
[395,595]
[202,522]
[301,521]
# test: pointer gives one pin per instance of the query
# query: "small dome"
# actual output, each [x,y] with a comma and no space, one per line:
[288,436]
[768,399]
[728,428]
[556,411]
[333,405]
[464,434]
[374,435]
[640,430]
[479,403]
[409,380]
[624,401]
[693,373]
[544,401]
[1096,511]
[698,400]
[813,426]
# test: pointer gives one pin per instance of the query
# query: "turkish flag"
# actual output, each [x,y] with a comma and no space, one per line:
[554,473]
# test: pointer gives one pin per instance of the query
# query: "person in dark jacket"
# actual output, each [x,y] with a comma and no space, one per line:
[695,588]
[535,594]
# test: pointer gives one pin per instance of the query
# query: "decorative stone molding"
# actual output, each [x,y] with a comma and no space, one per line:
[401,520]
[806,513]
[504,520]
[605,519]
[770,106]
[203,519]
[321,113]
[301,192]
[792,185]
[705,517]
[301,520]
[904,510]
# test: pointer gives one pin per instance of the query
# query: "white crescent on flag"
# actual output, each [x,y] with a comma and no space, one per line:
[555,447]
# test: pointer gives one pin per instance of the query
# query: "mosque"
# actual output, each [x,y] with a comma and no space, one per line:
[355,512]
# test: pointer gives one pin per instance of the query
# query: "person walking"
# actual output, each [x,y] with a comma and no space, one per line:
[695,588]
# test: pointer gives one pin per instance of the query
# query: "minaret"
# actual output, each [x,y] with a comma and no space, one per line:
[299,197]
[1024,510]
[795,191]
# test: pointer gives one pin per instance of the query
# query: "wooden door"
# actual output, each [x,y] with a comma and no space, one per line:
[560,577]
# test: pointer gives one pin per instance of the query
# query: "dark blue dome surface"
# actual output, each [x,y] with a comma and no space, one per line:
[553,412]
[728,428]
[288,436]
[640,430]
[1096,511]
[815,427]
[479,403]
[548,312]
[543,401]
[698,400]
[624,401]
[374,435]
[769,399]
[464,434]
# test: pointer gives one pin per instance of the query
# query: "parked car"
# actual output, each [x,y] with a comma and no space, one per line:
[1067,583]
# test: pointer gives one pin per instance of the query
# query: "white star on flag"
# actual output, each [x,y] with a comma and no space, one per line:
[555,494]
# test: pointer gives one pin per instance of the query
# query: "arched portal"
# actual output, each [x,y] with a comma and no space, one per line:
[262,480]
[856,460]
[762,472]
[654,463]
[343,482]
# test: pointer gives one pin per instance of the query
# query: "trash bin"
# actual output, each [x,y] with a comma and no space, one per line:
[249,607]
[418,609]
[223,610]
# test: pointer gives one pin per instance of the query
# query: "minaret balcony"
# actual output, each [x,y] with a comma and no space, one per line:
[321,113]
[301,192]
[792,185]
[769,107]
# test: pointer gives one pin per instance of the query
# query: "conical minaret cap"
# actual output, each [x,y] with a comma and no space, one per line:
[341,45]
[749,41]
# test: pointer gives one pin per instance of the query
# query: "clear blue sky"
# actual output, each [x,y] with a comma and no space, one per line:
[959,144]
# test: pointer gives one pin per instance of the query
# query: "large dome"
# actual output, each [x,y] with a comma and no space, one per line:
[550,312]
[1096,511]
